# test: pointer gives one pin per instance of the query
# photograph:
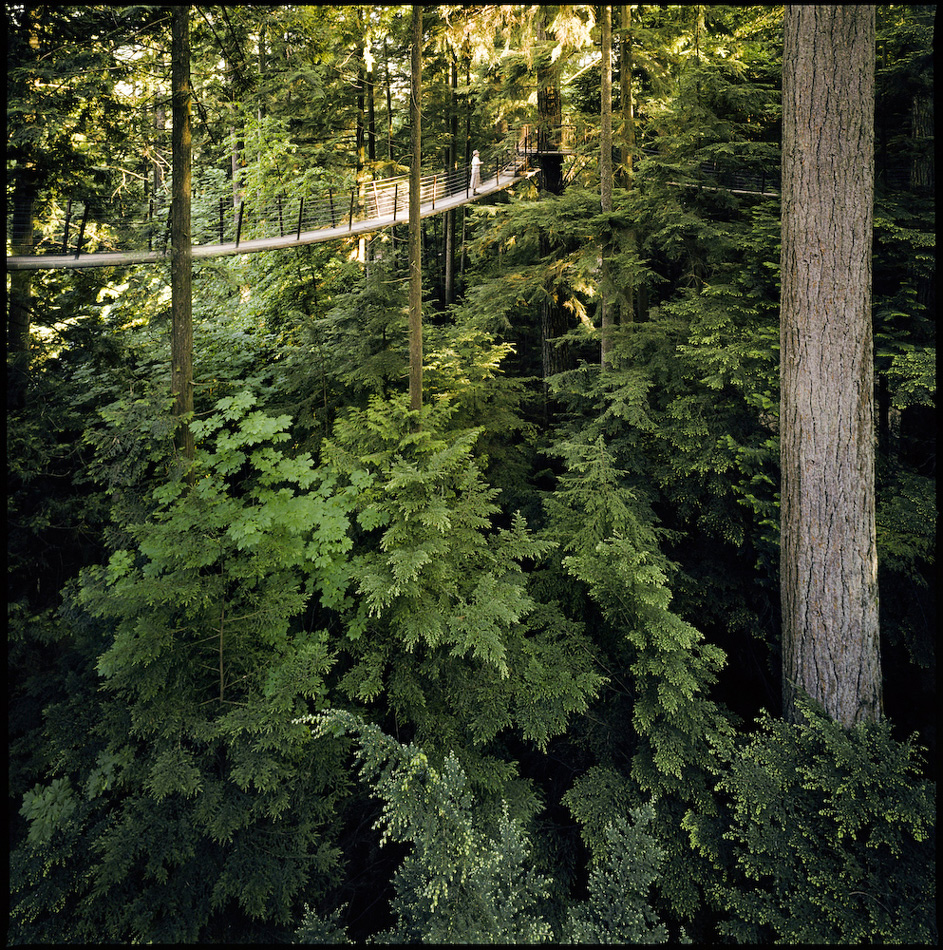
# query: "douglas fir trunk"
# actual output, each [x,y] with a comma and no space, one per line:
[829,560]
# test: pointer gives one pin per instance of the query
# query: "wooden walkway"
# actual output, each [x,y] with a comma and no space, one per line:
[436,204]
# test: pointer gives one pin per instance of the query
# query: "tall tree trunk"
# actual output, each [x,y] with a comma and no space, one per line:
[549,111]
[605,186]
[361,128]
[181,261]
[830,644]
[626,103]
[19,303]
[262,67]
[626,174]
[452,167]
[415,254]
[553,321]
[160,126]
[389,103]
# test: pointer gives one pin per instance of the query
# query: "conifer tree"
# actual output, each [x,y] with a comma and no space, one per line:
[415,248]
[831,647]
[181,350]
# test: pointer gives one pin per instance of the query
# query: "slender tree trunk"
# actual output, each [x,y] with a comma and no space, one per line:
[389,104]
[19,304]
[262,67]
[829,562]
[452,167]
[553,321]
[160,126]
[415,255]
[29,46]
[627,170]
[605,186]
[371,105]
[181,261]
[626,103]
[361,130]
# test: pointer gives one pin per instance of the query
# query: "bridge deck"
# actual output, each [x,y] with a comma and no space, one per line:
[204,251]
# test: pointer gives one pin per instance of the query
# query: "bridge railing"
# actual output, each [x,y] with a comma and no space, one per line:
[86,226]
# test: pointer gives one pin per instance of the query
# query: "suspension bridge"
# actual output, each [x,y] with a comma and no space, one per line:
[100,234]
[90,236]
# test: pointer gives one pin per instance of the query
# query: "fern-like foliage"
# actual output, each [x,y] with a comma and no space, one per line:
[469,877]
[833,836]
[440,625]
[176,780]
[611,545]
[462,883]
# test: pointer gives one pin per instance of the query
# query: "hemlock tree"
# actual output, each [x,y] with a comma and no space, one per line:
[181,266]
[605,182]
[415,251]
[829,555]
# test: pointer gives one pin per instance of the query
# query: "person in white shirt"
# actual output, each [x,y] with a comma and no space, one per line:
[475,172]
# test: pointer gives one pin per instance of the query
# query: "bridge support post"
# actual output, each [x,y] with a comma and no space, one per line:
[352,195]
[330,193]
[65,231]
[221,220]
[78,244]
[301,208]
[242,206]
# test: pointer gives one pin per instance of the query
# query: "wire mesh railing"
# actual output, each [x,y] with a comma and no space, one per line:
[95,225]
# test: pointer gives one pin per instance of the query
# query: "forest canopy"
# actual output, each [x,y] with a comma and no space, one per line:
[316,656]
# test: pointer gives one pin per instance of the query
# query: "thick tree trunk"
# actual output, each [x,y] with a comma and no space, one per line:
[829,562]
[549,111]
[605,186]
[415,254]
[181,262]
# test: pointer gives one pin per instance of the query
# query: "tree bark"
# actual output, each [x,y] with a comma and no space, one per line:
[181,261]
[415,254]
[389,103]
[830,647]
[19,304]
[549,110]
[25,189]
[626,174]
[605,186]
[452,167]
[362,13]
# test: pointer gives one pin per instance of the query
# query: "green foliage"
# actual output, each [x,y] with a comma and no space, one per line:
[439,621]
[465,882]
[47,809]
[461,883]
[169,635]
[832,835]
[618,910]
[612,547]
[193,770]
